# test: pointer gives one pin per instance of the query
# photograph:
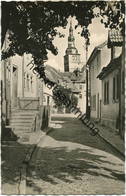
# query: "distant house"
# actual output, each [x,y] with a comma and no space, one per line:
[99,58]
[77,84]
[112,77]
[54,76]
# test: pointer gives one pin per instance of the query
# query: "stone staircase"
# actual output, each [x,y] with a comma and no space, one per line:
[23,122]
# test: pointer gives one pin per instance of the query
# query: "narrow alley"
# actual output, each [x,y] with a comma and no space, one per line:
[62,97]
[71,161]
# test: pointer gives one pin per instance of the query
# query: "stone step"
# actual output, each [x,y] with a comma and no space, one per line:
[20,120]
[22,131]
[22,117]
[23,114]
[17,111]
[20,127]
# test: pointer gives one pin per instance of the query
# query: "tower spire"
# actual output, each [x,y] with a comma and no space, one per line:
[71,29]
[71,38]
[72,57]
[70,23]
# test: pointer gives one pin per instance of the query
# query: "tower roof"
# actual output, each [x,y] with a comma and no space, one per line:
[71,45]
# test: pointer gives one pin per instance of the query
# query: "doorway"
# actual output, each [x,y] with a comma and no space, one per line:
[98,106]
[14,86]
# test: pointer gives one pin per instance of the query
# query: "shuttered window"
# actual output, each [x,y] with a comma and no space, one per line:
[117,87]
[123,82]
[93,102]
[114,88]
[107,97]
[106,92]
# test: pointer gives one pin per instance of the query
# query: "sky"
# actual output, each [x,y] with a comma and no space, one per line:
[98,34]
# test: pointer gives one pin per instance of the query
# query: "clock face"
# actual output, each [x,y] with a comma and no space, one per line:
[74,58]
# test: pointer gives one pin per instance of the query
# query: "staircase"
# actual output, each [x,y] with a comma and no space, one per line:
[23,122]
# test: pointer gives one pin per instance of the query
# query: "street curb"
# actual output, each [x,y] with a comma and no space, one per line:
[30,152]
[22,183]
[109,142]
[112,145]
[49,130]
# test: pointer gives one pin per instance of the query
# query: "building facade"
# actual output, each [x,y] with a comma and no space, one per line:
[77,84]
[100,57]
[112,77]
[122,93]
[72,57]
[21,93]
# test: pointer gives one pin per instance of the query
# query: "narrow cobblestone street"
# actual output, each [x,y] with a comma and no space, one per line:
[71,161]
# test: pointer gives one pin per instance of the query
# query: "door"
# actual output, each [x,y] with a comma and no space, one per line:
[14,87]
[98,106]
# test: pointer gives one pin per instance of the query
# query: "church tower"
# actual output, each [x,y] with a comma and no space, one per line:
[72,57]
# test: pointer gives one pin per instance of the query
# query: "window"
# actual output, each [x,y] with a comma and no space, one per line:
[116,87]
[106,92]
[93,102]
[27,82]
[123,82]
[47,100]
[80,96]
[31,84]
[107,96]
[117,83]
[80,86]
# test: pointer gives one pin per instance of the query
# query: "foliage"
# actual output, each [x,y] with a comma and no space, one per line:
[74,100]
[62,94]
[77,72]
[32,26]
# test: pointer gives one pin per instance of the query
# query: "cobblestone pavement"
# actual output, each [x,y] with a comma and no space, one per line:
[71,161]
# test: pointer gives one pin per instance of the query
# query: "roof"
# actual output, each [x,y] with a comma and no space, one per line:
[115,38]
[83,68]
[67,74]
[71,76]
[52,74]
[94,52]
[114,64]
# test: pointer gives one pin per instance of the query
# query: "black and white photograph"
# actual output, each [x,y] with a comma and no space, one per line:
[63,97]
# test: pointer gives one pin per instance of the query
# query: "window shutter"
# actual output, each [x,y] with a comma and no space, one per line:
[108,92]
[117,86]
[105,93]
[114,88]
